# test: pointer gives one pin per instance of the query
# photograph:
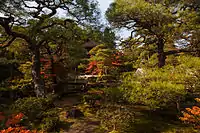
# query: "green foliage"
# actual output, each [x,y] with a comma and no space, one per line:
[169,25]
[161,87]
[114,131]
[31,106]
[155,17]
[137,55]
[42,27]
[24,82]
[7,65]
[172,23]
[82,67]
[5,61]
[104,60]
[113,95]
[40,112]
[103,36]
[20,50]
[50,120]
[151,91]
[113,116]
[116,117]
[93,96]
[25,69]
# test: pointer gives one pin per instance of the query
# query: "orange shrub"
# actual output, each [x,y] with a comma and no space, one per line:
[12,124]
[192,115]
[17,130]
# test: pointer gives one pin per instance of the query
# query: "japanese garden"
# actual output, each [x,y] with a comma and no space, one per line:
[65,70]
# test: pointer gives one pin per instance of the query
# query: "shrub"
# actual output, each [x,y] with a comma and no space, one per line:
[108,95]
[92,98]
[113,95]
[12,124]
[104,60]
[192,115]
[116,118]
[40,112]
[23,83]
[154,89]
[161,87]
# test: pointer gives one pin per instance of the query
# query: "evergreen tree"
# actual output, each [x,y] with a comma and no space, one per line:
[32,20]
[164,23]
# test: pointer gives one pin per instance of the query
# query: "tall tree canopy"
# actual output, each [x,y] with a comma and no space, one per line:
[162,23]
[36,22]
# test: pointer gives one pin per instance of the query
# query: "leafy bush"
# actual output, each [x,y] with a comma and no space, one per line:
[40,112]
[50,119]
[108,95]
[155,89]
[192,116]
[93,96]
[25,81]
[162,87]
[113,95]
[104,60]
[12,124]
[116,118]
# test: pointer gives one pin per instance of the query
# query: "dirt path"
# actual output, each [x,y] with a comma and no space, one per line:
[86,124]
[154,122]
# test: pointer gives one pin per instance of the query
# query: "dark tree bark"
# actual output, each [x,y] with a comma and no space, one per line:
[54,79]
[52,69]
[37,80]
[161,53]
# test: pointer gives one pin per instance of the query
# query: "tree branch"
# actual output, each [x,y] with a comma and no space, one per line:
[9,43]
[4,22]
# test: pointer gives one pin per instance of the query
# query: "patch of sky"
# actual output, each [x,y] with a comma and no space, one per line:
[104,4]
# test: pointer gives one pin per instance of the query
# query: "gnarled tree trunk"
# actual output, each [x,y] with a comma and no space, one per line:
[52,70]
[54,79]
[37,80]
[161,53]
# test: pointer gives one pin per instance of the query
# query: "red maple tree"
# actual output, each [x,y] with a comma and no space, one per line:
[114,61]
[46,69]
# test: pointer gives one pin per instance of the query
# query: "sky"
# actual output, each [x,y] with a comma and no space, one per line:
[103,5]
